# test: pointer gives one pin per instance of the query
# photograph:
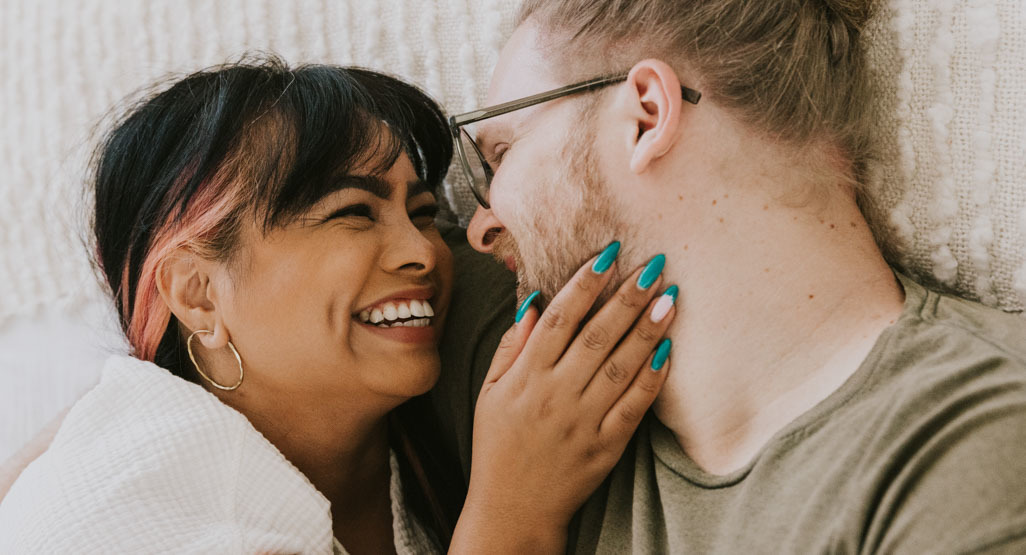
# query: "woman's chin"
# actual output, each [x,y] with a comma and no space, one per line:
[409,377]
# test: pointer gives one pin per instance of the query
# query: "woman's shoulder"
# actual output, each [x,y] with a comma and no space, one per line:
[145,458]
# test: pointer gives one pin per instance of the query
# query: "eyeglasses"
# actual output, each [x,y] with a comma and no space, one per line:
[477,169]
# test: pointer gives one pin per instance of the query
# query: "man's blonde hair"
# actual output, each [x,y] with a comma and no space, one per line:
[793,70]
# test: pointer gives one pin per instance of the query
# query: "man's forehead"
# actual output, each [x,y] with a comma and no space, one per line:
[522,69]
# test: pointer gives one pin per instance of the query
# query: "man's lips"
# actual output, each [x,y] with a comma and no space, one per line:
[511,263]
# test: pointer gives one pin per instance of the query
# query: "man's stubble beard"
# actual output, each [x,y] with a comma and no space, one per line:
[566,230]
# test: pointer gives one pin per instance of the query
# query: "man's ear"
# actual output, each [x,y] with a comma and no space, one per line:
[185,283]
[654,104]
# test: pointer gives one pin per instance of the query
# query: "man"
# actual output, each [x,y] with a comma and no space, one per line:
[818,401]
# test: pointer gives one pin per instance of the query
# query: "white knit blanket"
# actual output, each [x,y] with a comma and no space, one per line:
[149,463]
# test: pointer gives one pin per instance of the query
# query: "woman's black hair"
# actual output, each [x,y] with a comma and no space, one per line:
[284,135]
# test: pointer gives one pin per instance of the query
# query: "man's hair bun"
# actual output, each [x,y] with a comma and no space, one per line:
[846,18]
[853,13]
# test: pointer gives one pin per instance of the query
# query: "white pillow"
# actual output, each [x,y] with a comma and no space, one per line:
[950,189]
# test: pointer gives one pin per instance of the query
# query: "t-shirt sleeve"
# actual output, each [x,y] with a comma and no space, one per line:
[482,309]
[965,490]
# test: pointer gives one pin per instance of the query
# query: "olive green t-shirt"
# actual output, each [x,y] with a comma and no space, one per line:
[922,450]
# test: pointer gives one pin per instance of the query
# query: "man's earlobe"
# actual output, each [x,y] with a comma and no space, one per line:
[656,95]
[184,284]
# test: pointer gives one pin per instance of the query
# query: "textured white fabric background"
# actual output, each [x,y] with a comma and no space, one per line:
[949,193]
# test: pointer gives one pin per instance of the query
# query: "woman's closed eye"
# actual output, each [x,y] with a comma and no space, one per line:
[424,216]
[353,211]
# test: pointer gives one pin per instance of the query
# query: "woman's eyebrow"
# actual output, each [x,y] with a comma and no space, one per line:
[416,187]
[370,183]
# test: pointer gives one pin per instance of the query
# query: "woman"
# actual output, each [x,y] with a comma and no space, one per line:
[268,238]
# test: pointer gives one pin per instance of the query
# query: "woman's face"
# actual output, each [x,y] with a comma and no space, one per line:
[347,302]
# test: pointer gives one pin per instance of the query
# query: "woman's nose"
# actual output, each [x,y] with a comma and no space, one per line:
[407,249]
[483,229]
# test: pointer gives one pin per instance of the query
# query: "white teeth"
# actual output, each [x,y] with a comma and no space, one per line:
[386,314]
[418,323]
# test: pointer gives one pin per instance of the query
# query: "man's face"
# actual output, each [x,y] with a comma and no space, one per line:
[550,206]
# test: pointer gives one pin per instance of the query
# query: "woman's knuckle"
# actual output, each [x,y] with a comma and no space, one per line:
[584,284]
[554,318]
[647,334]
[651,387]
[628,414]
[595,337]
[630,300]
[615,372]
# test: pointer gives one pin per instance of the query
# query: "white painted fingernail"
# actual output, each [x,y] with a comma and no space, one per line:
[664,304]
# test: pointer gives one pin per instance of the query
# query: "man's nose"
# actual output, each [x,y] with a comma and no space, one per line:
[483,229]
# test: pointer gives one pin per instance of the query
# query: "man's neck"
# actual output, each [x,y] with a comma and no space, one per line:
[779,306]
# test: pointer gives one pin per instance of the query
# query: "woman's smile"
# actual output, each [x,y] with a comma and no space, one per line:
[405,316]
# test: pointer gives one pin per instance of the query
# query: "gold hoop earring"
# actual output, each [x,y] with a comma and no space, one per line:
[188,346]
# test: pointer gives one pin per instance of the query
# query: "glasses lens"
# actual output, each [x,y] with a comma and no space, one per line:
[477,170]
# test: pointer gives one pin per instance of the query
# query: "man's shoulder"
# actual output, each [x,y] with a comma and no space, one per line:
[946,356]
[965,323]
[944,421]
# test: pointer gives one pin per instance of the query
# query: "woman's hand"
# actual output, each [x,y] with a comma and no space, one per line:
[557,408]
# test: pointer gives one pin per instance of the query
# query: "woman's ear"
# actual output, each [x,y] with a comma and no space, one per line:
[654,105]
[185,282]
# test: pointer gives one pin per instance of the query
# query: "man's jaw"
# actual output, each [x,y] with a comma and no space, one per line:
[510,263]
[506,252]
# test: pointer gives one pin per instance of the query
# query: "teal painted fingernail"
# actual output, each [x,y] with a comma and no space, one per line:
[605,260]
[652,271]
[661,354]
[526,305]
[672,291]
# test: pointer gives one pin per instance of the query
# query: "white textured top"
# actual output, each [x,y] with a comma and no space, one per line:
[150,463]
